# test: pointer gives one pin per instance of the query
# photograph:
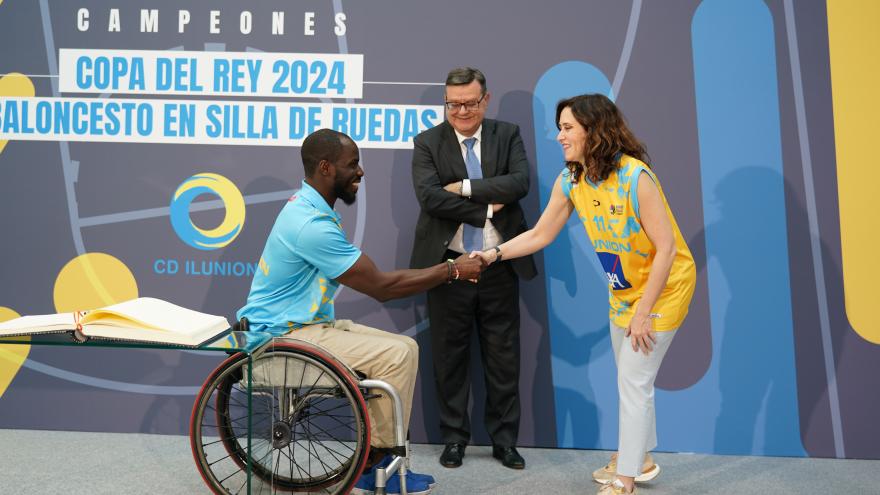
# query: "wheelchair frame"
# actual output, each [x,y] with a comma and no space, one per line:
[298,396]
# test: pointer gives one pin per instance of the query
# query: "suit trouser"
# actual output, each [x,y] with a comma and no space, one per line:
[492,307]
[378,354]
[635,385]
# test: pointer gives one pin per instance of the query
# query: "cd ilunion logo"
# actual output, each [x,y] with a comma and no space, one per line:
[233,202]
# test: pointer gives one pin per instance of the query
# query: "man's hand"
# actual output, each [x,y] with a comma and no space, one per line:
[454,187]
[469,268]
[496,207]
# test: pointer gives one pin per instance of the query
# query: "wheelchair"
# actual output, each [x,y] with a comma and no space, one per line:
[310,432]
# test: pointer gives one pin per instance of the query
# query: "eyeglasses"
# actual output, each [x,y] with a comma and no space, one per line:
[454,106]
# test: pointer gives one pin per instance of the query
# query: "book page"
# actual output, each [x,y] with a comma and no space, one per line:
[153,320]
[134,334]
[38,324]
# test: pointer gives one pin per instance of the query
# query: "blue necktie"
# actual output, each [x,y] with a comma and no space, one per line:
[472,237]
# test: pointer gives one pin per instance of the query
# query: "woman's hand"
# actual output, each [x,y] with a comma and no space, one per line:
[489,256]
[641,333]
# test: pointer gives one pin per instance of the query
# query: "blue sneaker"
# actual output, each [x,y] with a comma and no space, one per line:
[366,484]
[413,486]
[427,478]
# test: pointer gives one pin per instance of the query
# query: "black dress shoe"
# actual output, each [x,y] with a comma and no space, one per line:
[509,457]
[452,455]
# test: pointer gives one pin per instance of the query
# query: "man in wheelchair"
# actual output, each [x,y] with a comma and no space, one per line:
[305,259]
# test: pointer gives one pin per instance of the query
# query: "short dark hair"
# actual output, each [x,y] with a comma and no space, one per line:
[323,144]
[466,75]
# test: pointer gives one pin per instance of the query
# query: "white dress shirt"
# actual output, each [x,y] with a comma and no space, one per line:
[491,236]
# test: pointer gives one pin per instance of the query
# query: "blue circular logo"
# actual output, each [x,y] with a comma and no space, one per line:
[233,202]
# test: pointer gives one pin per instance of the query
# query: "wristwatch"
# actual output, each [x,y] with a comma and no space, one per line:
[497,253]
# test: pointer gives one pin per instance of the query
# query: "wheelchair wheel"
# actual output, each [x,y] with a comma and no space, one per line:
[309,420]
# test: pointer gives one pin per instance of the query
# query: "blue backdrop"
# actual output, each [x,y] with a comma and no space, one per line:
[732,98]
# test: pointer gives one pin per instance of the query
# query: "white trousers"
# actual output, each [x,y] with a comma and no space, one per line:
[636,373]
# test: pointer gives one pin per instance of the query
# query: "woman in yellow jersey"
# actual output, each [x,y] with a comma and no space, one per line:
[650,270]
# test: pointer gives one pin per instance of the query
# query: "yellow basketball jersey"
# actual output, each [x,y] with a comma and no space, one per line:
[609,211]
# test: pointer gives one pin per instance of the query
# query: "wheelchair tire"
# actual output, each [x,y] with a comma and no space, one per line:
[309,419]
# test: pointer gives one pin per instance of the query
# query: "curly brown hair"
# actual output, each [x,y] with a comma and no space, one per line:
[608,136]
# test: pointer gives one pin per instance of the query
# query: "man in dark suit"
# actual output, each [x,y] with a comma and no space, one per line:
[469,174]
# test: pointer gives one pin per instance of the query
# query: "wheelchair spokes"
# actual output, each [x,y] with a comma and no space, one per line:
[308,418]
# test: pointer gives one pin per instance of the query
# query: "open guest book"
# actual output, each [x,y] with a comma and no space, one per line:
[144,319]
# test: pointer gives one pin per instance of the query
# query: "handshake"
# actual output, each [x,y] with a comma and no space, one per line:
[469,266]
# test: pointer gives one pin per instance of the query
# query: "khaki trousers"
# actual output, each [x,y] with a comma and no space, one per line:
[378,354]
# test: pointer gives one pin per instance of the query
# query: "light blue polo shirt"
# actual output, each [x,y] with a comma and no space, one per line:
[306,251]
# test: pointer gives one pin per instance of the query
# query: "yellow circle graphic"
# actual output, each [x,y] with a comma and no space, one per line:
[11,356]
[93,280]
[15,84]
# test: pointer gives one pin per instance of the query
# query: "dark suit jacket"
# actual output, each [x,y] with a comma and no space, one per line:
[437,161]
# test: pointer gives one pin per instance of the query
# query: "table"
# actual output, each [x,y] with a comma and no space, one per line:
[251,344]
